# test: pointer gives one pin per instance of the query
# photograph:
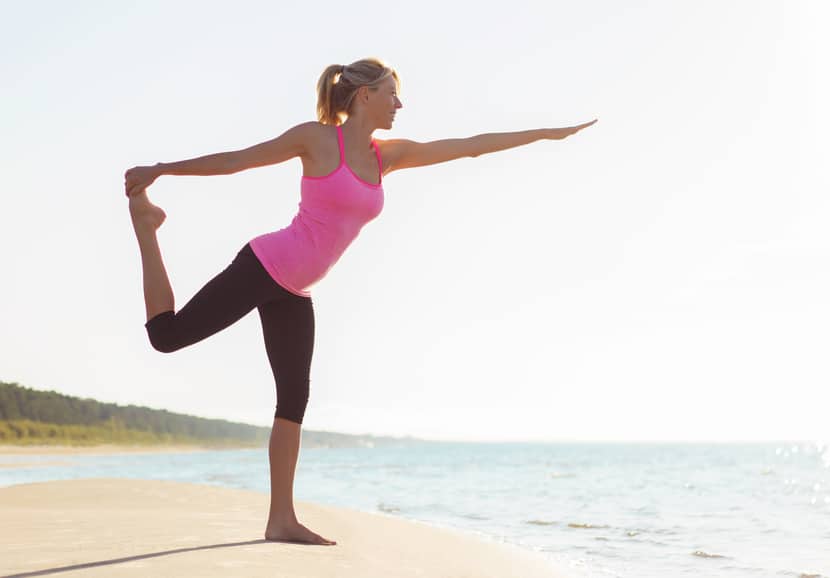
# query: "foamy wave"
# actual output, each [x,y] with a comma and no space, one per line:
[702,554]
[541,522]
[585,526]
[389,509]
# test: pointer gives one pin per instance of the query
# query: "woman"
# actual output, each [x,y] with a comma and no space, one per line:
[341,190]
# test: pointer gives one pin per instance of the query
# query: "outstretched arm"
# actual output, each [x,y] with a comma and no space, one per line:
[288,145]
[407,154]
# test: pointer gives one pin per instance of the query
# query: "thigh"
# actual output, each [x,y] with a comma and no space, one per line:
[225,299]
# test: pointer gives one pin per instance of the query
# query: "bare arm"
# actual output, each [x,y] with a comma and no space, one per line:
[290,144]
[405,154]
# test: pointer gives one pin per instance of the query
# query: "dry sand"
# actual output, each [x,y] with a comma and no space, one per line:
[120,527]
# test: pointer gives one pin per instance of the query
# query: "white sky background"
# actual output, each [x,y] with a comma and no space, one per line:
[662,275]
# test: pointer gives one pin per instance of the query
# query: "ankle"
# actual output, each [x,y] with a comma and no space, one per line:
[282,519]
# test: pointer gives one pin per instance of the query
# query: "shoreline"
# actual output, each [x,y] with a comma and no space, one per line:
[121,527]
[106,449]
[14,457]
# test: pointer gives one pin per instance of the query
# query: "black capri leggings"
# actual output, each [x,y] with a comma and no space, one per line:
[287,325]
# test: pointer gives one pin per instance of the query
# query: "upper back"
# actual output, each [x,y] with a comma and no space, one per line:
[321,156]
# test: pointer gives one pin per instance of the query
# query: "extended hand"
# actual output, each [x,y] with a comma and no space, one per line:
[560,133]
[137,179]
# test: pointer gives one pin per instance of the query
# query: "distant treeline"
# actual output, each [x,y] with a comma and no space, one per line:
[29,416]
[27,432]
[32,416]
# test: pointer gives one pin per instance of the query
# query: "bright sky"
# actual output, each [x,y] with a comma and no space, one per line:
[662,275]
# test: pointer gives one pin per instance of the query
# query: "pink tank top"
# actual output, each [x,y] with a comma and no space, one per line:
[332,211]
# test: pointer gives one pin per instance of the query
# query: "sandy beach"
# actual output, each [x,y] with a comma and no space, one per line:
[119,527]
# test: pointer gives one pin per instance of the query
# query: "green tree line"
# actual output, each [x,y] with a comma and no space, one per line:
[51,417]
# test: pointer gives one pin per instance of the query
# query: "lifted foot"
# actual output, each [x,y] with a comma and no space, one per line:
[146,216]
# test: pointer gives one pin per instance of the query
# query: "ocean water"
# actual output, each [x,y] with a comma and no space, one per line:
[594,509]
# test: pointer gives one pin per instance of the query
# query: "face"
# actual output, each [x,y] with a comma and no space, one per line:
[383,103]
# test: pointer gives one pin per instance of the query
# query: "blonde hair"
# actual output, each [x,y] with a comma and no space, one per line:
[338,84]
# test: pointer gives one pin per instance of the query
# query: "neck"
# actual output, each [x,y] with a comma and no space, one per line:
[357,129]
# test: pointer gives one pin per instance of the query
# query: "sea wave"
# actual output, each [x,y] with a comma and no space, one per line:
[586,526]
[702,554]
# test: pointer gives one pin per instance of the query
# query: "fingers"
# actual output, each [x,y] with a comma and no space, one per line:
[129,187]
[132,188]
[566,132]
[136,181]
[579,127]
[128,184]
[136,189]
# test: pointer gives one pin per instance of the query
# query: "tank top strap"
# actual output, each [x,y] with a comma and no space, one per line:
[340,146]
[380,162]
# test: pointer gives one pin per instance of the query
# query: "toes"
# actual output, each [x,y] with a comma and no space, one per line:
[317,538]
[302,535]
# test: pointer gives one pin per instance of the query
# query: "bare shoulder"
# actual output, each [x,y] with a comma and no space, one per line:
[296,141]
[315,128]
[311,133]
[317,137]
[308,135]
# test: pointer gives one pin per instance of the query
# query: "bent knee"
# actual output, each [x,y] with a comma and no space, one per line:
[163,344]
[161,334]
